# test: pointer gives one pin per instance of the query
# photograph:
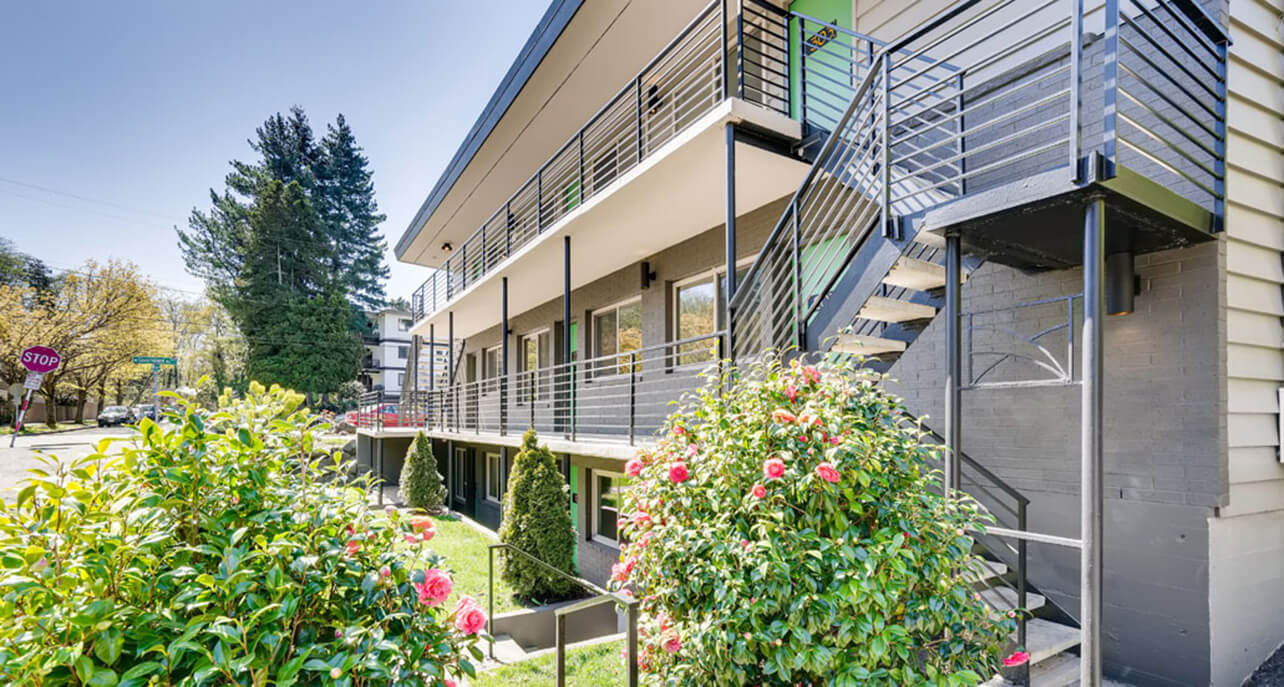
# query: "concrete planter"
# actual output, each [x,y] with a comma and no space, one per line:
[536,628]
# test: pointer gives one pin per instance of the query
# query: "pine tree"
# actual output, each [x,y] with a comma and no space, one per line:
[347,205]
[537,521]
[421,485]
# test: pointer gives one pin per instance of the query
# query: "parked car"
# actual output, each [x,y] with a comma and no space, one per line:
[112,416]
[146,410]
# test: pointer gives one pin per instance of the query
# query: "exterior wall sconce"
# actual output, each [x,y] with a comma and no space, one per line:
[1122,283]
[447,247]
[648,275]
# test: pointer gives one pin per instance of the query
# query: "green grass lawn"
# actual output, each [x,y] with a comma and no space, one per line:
[598,665]
[41,428]
[465,552]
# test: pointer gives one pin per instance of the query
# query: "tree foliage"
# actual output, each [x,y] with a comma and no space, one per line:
[421,485]
[537,521]
[292,236]
[789,529]
[220,552]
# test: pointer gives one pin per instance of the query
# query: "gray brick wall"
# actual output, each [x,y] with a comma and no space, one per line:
[1165,445]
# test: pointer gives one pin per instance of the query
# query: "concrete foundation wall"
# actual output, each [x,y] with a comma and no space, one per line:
[1164,439]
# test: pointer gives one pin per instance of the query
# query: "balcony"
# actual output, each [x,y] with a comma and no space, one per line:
[618,399]
[722,65]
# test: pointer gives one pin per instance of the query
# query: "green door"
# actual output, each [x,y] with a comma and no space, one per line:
[808,37]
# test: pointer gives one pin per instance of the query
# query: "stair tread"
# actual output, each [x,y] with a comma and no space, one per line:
[912,273]
[867,345]
[1047,638]
[988,570]
[885,309]
[1004,599]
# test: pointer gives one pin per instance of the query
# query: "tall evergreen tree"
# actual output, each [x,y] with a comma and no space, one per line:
[347,205]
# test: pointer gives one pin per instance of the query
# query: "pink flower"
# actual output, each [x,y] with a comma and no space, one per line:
[802,437]
[759,491]
[1016,659]
[469,617]
[672,644]
[642,520]
[621,571]
[773,468]
[692,450]
[834,440]
[385,571]
[678,473]
[679,430]
[449,682]
[390,510]
[783,416]
[744,543]
[827,472]
[335,673]
[351,547]
[791,393]
[435,587]
[633,467]
[410,538]
[811,374]
[422,523]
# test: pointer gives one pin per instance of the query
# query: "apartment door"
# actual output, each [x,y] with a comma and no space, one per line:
[463,491]
[472,390]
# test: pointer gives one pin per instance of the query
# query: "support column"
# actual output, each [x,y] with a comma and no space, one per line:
[565,387]
[954,361]
[1091,446]
[503,356]
[730,236]
[451,388]
[432,358]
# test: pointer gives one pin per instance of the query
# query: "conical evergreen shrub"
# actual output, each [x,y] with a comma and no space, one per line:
[421,486]
[537,520]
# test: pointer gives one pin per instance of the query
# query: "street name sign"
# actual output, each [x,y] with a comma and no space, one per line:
[154,360]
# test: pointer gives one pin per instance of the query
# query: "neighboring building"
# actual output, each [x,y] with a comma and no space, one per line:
[635,153]
[388,346]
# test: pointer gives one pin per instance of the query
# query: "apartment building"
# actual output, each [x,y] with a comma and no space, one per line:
[388,342]
[1056,225]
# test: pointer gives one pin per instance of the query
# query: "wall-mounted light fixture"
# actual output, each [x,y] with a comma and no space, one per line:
[648,275]
[1122,283]
[447,247]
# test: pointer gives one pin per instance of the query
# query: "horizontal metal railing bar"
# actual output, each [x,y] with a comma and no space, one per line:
[985,168]
[1171,146]
[1137,148]
[959,29]
[1210,43]
[1179,64]
[1140,54]
[976,150]
[605,597]
[1038,537]
[997,94]
[1164,118]
[1184,45]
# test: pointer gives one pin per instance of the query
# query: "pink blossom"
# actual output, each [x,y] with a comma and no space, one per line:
[679,430]
[759,491]
[435,587]
[410,538]
[642,520]
[792,393]
[469,617]
[773,468]
[385,571]
[633,467]
[834,440]
[351,547]
[390,510]
[449,682]
[621,571]
[744,543]
[421,523]
[672,644]
[811,374]
[335,673]
[827,472]
[678,473]
[783,416]
[692,450]
[1016,659]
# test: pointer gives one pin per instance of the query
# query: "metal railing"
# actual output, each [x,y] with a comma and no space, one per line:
[600,596]
[720,54]
[616,397]
[983,95]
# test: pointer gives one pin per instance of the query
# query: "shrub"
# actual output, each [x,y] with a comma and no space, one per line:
[792,531]
[219,553]
[537,520]
[422,486]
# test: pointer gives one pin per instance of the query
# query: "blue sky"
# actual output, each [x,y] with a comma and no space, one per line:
[125,113]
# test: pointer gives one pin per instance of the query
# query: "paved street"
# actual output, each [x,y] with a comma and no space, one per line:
[14,462]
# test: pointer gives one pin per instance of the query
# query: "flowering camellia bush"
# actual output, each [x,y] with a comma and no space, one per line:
[791,531]
[220,552]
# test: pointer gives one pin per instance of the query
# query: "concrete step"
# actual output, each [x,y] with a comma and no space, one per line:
[987,570]
[1003,599]
[883,309]
[860,344]
[912,273]
[1046,638]
[507,650]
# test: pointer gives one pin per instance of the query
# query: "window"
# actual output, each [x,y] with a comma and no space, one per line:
[494,488]
[607,494]
[404,324]
[403,352]
[457,479]
[533,359]
[401,380]
[490,368]
[604,170]
[616,330]
[699,309]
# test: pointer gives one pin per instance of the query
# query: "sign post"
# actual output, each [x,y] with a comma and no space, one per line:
[38,360]
[155,362]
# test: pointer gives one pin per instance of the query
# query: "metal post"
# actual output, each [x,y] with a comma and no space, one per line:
[633,395]
[508,228]
[954,361]
[802,76]
[800,327]
[726,72]
[1110,89]
[156,393]
[740,49]
[490,600]
[22,412]
[885,162]
[1021,591]
[638,93]
[463,265]
[1076,88]
[539,201]
[450,362]
[730,233]
[962,145]
[633,643]
[1091,530]
[432,357]
[559,638]
[379,470]
[1219,145]
[503,357]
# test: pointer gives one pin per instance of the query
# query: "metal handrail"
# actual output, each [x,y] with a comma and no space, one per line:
[600,596]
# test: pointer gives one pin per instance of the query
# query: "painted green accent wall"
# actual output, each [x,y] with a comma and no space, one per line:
[836,11]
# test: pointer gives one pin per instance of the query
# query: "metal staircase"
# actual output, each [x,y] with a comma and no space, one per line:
[968,116]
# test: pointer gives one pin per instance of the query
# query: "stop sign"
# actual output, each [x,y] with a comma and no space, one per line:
[41,359]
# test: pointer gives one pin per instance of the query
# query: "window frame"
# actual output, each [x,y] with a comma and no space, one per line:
[617,480]
[540,382]
[403,352]
[499,475]
[599,369]
[490,382]
[405,324]
[457,479]
[714,274]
